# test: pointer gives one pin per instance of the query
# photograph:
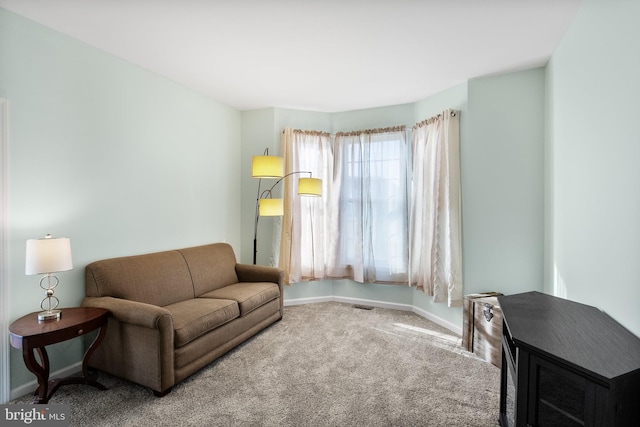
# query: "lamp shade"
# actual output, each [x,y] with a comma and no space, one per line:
[48,255]
[271,207]
[310,187]
[267,167]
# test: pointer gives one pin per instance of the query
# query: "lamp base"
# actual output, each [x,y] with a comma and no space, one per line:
[49,315]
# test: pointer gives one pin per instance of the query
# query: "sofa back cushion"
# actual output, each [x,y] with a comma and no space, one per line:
[212,266]
[159,278]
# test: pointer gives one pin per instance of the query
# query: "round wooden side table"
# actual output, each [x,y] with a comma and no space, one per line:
[32,335]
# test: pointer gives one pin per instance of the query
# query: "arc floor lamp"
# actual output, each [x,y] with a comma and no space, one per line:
[272,167]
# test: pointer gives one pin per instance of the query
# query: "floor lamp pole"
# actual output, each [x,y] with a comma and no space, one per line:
[255,225]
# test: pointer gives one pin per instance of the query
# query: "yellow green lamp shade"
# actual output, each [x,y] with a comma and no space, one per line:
[310,187]
[267,167]
[271,207]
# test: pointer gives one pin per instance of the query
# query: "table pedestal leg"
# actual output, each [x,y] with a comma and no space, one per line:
[40,369]
[91,378]
[47,387]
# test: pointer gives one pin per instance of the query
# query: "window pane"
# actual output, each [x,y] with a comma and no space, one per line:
[373,205]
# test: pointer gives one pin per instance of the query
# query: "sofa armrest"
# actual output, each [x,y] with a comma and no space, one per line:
[136,313]
[139,343]
[259,273]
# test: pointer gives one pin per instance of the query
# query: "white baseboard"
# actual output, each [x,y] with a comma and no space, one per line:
[438,320]
[31,386]
[312,300]
[382,304]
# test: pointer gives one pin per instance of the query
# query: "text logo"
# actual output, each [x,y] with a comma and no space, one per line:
[35,415]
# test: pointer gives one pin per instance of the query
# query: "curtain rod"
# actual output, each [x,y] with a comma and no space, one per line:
[378,130]
[355,132]
[452,113]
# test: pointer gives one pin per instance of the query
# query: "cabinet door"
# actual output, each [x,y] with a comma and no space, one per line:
[558,397]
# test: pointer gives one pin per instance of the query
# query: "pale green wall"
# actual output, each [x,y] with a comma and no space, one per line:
[455,98]
[310,120]
[503,179]
[593,208]
[120,160]
[373,118]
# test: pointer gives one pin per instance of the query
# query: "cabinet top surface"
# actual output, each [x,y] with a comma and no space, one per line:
[579,334]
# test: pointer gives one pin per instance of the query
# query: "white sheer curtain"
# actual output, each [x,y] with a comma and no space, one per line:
[435,249]
[371,174]
[305,223]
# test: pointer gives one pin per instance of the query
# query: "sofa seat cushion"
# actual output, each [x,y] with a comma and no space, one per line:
[195,317]
[249,295]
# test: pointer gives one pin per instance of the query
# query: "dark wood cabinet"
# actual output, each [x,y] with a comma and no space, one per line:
[566,364]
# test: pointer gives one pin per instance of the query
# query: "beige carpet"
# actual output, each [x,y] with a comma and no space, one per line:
[326,364]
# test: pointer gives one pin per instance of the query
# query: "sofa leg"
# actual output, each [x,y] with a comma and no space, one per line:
[162,393]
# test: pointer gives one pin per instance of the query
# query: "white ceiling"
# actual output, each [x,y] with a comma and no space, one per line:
[322,55]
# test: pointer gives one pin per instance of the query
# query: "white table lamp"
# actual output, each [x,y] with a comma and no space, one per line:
[46,256]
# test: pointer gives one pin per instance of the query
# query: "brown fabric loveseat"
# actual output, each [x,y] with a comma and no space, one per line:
[176,311]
